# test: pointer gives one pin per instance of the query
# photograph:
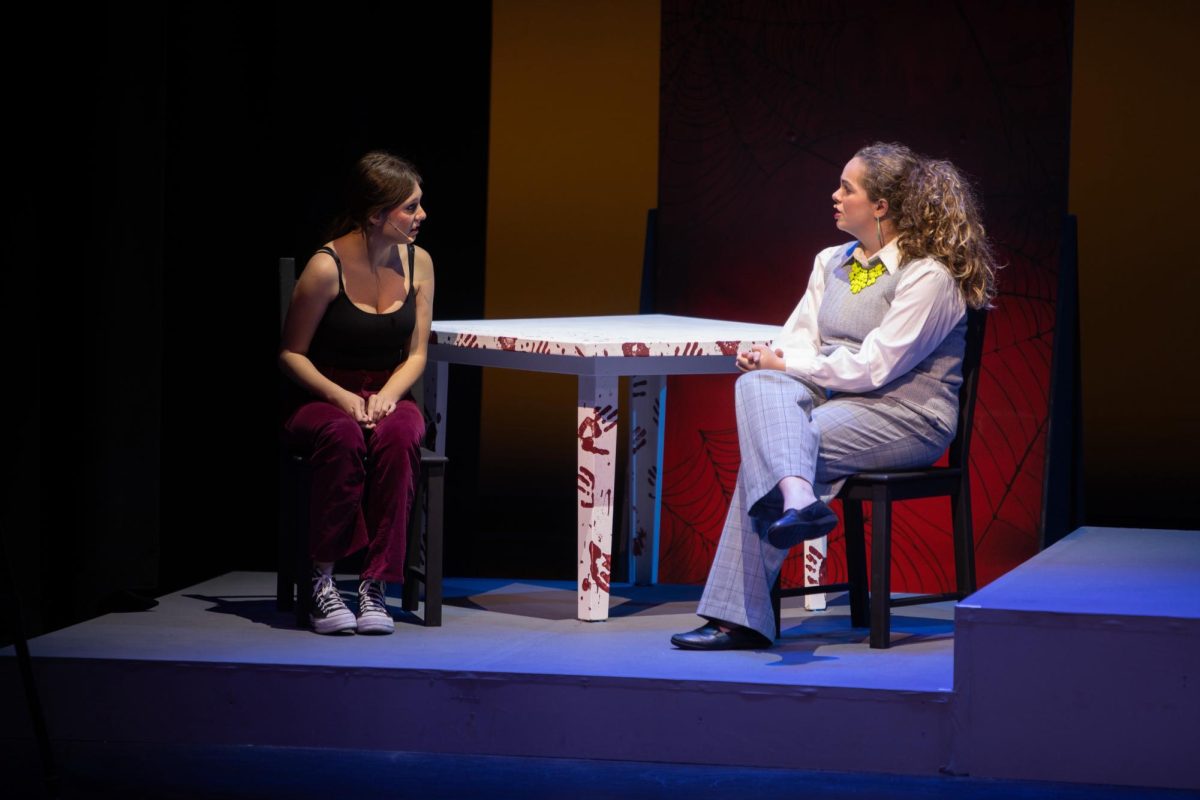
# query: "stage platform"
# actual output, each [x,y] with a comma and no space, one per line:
[1081,666]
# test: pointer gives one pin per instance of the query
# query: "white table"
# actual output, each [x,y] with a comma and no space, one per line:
[600,350]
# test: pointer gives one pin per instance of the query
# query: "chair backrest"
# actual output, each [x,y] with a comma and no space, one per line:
[287,282]
[646,304]
[972,358]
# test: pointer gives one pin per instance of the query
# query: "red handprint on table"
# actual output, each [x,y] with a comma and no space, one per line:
[586,486]
[601,566]
[635,349]
[592,428]
[814,565]
[639,541]
[652,479]
[639,439]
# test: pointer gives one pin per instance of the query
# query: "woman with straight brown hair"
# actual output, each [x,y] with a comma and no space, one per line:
[354,344]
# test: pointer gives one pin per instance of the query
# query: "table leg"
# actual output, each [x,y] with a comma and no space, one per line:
[596,452]
[647,407]
[436,384]
[814,571]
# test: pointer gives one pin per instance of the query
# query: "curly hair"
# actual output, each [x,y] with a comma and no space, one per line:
[888,165]
[378,182]
[936,214]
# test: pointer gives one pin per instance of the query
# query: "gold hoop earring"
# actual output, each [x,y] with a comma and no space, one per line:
[879,230]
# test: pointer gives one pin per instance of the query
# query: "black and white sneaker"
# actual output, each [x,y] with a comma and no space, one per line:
[373,614]
[329,613]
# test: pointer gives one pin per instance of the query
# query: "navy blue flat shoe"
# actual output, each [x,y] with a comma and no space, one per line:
[797,525]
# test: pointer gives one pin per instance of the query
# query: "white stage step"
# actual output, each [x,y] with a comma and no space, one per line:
[1084,663]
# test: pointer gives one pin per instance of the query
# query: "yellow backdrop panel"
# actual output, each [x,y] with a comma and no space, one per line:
[572,170]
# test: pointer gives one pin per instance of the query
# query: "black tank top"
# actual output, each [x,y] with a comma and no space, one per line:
[350,338]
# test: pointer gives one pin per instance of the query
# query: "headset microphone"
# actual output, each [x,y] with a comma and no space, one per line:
[407,236]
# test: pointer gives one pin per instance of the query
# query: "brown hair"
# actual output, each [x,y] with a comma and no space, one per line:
[886,178]
[378,182]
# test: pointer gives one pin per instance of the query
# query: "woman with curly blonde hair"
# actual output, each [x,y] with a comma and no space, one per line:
[863,376]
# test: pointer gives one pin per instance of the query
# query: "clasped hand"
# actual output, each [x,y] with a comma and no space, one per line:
[760,357]
[367,411]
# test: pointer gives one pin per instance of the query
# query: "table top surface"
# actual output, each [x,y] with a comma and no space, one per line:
[624,335]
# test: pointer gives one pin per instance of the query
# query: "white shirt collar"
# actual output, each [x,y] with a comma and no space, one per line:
[889,255]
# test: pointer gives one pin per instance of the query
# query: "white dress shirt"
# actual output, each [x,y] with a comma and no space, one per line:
[926,307]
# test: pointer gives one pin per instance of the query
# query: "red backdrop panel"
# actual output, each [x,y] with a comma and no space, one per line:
[762,105]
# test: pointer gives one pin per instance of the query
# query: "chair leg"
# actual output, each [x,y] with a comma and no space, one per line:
[410,595]
[433,547]
[856,562]
[292,589]
[285,581]
[881,566]
[302,565]
[964,540]
[777,601]
[303,584]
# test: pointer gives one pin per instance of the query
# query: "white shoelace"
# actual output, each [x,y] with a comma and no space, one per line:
[326,596]
[371,597]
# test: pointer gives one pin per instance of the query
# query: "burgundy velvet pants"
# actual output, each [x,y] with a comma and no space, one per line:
[362,480]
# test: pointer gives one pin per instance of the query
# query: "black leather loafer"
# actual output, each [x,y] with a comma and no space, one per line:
[710,637]
[795,526]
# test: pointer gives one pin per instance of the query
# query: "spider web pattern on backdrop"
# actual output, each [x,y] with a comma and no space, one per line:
[762,104]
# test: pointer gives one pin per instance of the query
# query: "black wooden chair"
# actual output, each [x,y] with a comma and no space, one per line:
[423,562]
[881,489]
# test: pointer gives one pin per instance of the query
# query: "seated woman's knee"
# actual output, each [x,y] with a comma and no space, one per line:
[748,380]
[345,433]
[750,383]
[404,427]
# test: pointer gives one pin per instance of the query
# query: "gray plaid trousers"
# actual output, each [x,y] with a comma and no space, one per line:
[786,428]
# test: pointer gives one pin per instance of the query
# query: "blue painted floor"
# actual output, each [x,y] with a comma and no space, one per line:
[496,625]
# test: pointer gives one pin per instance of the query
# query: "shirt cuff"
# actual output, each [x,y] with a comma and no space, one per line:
[801,366]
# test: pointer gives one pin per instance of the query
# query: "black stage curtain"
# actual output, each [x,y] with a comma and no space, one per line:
[183,152]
